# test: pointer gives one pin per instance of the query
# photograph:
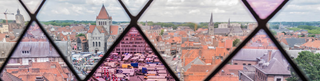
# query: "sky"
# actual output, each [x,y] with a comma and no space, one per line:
[162,10]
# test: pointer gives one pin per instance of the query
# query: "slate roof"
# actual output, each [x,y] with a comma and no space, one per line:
[250,54]
[277,65]
[236,29]
[38,49]
[292,41]
[17,32]
[63,46]
[221,31]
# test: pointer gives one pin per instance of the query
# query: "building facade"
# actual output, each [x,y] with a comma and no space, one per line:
[102,35]
[19,18]
[133,43]
[211,27]
[97,37]
[104,19]
[4,28]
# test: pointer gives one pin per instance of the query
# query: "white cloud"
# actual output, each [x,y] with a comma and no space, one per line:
[163,10]
[77,9]
[226,2]
[216,10]
[298,12]
[63,11]
[32,4]
[193,11]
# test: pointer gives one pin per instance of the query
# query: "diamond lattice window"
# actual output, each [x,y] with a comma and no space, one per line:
[159,40]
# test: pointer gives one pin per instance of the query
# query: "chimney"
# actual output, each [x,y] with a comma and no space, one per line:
[7,36]
[213,60]
[269,55]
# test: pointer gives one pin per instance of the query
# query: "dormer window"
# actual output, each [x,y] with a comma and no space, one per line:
[25,50]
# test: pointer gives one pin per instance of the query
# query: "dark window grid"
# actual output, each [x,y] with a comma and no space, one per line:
[34,20]
[261,25]
[133,23]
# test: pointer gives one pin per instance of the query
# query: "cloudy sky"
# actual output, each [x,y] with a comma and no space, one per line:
[163,10]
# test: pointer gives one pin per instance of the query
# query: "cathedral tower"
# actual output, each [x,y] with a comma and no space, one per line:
[103,19]
[19,18]
[211,26]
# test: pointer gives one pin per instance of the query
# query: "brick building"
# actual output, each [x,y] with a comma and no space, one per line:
[133,43]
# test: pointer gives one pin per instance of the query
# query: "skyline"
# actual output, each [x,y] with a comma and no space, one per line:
[173,10]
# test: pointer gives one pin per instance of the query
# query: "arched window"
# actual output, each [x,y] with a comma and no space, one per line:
[93,44]
[99,44]
[96,44]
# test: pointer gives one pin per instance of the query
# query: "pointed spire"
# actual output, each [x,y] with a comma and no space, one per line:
[211,21]
[146,23]
[18,11]
[103,13]
[229,23]
[279,25]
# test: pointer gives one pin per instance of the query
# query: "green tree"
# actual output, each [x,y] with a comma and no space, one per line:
[235,42]
[294,29]
[273,32]
[310,63]
[161,33]
[216,24]
[284,33]
[302,35]
[26,23]
[81,34]
[311,35]
[274,26]
[244,26]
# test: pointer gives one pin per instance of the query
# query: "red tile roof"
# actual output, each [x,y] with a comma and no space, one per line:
[201,68]
[78,28]
[45,69]
[314,44]
[91,28]
[228,43]
[103,14]
[114,29]
[100,29]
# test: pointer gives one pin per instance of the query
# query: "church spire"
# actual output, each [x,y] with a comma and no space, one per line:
[146,24]
[18,11]
[211,26]
[103,14]
[229,23]
[211,21]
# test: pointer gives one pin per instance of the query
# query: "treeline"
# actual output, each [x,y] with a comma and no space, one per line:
[71,22]
[174,25]
[312,30]
[12,21]
[296,24]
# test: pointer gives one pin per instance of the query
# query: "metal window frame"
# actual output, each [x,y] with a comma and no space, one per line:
[134,24]
[261,26]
